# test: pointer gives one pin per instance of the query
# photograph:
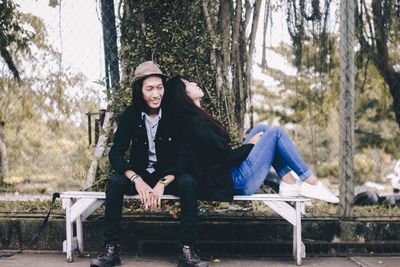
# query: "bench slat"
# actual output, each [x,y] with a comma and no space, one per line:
[260,197]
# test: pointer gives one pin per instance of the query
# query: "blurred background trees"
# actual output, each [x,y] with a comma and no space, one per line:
[42,108]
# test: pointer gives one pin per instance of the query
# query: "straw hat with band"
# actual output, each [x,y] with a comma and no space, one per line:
[144,70]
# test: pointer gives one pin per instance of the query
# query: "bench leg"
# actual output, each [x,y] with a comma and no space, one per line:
[79,235]
[68,229]
[298,233]
[294,241]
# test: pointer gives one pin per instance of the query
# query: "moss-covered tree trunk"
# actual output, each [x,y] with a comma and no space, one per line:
[110,44]
[203,40]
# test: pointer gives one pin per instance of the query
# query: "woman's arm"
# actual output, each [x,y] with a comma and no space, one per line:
[214,144]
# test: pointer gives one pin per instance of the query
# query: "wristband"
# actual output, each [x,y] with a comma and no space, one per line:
[164,181]
[133,177]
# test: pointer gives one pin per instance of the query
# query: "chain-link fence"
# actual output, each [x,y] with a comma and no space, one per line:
[53,116]
[338,109]
[46,116]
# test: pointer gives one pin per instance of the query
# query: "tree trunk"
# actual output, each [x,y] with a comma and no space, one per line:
[100,149]
[374,40]
[237,83]
[3,156]
[110,44]
[392,79]
[249,61]
[264,47]
[224,59]
[215,61]
[380,57]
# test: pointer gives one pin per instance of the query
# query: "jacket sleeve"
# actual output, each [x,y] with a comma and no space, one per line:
[183,164]
[237,155]
[215,144]
[121,143]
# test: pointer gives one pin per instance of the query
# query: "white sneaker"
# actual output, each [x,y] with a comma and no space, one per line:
[318,191]
[289,190]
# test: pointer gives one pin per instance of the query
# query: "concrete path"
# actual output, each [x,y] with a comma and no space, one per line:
[32,259]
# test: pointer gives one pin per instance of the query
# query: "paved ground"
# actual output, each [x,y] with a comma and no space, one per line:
[32,259]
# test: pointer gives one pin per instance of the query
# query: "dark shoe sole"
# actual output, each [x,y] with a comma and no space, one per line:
[200,264]
[96,263]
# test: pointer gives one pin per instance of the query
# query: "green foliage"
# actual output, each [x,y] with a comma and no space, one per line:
[306,103]
[13,36]
[176,38]
[54,3]
[303,27]
[375,120]
[12,32]
[30,206]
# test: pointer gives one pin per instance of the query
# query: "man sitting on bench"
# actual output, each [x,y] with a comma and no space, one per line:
[145,127]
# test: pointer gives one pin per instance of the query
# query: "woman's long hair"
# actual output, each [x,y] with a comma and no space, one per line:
[185,108]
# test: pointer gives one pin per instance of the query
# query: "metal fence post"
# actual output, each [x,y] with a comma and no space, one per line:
[346,150]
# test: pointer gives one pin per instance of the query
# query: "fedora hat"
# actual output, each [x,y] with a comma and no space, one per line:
[146,69]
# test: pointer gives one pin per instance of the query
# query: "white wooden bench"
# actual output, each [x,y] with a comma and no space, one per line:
[79,205]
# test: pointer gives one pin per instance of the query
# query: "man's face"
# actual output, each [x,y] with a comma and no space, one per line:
[153,92]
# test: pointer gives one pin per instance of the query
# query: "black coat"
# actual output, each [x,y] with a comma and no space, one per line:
[131,135]
[206,153]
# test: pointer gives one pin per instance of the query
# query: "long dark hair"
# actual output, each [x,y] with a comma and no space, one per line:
[185,108]
[138,103]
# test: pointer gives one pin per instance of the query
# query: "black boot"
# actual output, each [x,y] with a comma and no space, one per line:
[109,258]
[188,258]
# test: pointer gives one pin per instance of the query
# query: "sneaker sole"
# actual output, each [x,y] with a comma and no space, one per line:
[317,197]
[289,194]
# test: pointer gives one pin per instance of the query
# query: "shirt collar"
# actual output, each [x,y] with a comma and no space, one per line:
[144,115]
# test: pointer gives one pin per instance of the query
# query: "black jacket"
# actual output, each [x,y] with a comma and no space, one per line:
[131,135]
[207,155]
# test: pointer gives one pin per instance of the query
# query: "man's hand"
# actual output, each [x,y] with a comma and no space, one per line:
[145,192]
[158,191]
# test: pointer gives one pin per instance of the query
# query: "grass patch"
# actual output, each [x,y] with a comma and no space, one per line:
[28,206]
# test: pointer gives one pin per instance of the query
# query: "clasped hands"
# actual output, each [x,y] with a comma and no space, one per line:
[149,197]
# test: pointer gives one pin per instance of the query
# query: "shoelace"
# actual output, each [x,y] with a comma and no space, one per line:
[190,254]
[107,250]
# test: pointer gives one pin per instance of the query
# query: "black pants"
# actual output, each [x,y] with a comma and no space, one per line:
[188,190]
[184,186]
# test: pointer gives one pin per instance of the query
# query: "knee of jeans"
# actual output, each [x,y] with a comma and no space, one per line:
[262,127]
[278,132]
[115,182]
[186,182]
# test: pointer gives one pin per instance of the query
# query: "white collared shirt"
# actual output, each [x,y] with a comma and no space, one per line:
[151,128]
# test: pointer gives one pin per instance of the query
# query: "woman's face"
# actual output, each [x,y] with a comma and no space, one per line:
[193,90]
[153,92]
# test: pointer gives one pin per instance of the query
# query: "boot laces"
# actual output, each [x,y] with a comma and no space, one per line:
[190,254]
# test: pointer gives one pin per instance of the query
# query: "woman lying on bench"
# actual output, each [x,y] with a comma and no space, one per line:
[212,170]
[223,171]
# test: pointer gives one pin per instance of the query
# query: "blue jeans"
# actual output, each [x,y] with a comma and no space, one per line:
[273,149]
